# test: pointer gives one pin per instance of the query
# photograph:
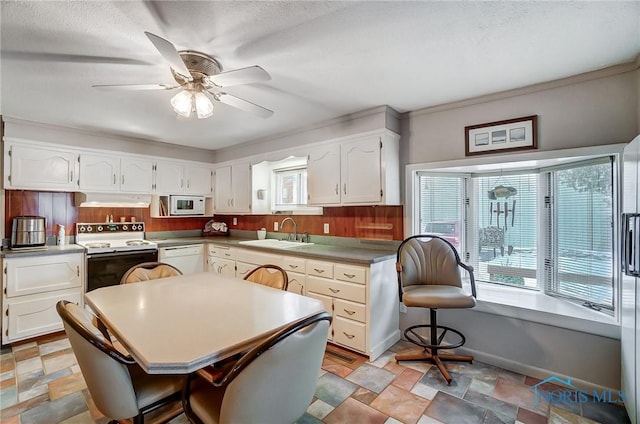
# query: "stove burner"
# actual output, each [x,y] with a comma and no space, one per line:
[136,242]
[97,245]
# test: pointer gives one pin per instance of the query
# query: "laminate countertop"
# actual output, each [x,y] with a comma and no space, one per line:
[47,250]
[354,250]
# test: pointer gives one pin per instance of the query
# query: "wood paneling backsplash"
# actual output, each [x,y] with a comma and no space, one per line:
[368,222]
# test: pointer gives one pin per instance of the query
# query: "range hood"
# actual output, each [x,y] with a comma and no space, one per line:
[111,200]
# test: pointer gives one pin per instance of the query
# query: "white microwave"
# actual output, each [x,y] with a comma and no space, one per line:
[186,205]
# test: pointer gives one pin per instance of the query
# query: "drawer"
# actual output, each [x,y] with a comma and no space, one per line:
[351,310]
[257,258]
[297,282]
[349,291]
[30,316]
[224,252]
[353,274]
[321,269]
[349,333]
[43,274]
[291,263]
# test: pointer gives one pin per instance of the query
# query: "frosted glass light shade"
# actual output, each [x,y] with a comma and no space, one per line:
[204,107]
[182,103]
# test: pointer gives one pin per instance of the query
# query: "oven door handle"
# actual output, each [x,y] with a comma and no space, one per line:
[112,253]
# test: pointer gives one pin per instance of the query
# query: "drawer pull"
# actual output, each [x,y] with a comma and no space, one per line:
[319,271]
[334,290]
[227,254]
[349,312]
[78,270]
[293,266]
[349,336]
[349,275]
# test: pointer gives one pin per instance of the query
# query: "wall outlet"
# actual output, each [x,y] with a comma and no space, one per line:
[326,228]
[275,226]
[235,221]
[403,308]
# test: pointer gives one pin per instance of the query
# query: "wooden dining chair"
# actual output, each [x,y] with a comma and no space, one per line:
[269,275]
[273,383]
[149,271]
[118,386]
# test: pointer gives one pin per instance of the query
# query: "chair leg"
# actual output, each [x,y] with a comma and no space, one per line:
[430,352]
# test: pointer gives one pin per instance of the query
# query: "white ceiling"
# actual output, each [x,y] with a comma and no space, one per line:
[326,59]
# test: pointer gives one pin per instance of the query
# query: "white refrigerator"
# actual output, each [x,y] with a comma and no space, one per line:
[630,262]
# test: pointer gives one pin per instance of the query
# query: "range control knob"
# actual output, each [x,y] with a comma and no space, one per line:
[82,229]
[89,228]
[124,227]
[100,228]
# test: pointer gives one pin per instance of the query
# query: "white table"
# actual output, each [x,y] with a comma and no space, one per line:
[179,324]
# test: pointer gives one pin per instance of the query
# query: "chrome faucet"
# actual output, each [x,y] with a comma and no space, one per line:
[295,228]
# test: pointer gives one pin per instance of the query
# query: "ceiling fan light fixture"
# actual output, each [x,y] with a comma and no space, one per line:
[204,107]
[182,103]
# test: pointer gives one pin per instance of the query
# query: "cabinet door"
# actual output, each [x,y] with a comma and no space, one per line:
[328,305]
[36,167]
[170,178]
[323,175]
[296,283]
[41,274]
[361,171]
[199,179]
[222,266]
[241,188]
[243,268]
[99,173]
[136,175]
[222,192]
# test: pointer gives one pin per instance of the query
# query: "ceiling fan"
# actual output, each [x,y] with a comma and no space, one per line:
[200,77]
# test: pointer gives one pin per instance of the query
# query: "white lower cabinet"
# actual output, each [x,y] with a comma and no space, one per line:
[363,299]
[31,288]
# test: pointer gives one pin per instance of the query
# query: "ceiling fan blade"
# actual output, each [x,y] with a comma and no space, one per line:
[240,76]
[241,104]
[170,54]
[135,86]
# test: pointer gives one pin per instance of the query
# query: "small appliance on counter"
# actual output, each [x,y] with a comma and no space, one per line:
[213,228]
[28,232]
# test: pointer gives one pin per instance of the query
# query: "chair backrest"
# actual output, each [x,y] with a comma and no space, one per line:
[149,271]
[277,378]
[269,275]
[103,367]
[429,260]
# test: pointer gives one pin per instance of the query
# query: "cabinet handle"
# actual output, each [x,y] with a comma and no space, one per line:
[349,312]
[344,188]
[337,192]
[349,336]
[181,182]
[293,266]
[232,201]
[78,270]
[227,254]
[187,183]
[122,181]
[334,290]
[319,271]
[114,179]
[349,275]
[71,177]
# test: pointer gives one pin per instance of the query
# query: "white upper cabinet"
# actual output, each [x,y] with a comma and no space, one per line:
[174,177]
[170,178]
[233,188]
[199,179]
[136,175]
[108,173]
[361,170]
[323,175]
[99,173]
[40,167]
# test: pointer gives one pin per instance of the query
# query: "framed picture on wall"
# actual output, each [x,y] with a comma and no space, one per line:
[502,136]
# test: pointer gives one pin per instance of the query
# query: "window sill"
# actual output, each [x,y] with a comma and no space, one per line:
[536,307]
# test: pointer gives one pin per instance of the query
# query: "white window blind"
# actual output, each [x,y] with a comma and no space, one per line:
[580,259]
[291,187]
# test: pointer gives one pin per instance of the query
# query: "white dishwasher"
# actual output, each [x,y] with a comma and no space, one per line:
[188,259]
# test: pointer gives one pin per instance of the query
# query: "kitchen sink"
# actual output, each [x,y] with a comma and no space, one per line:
[275,243]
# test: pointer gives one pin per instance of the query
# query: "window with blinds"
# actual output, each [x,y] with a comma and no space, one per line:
[440,206]
[580,238]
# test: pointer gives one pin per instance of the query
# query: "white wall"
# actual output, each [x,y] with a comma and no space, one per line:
[594,109]
[79,138]
[570,114]
[368,120]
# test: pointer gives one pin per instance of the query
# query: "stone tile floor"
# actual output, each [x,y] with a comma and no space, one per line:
[40,382]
